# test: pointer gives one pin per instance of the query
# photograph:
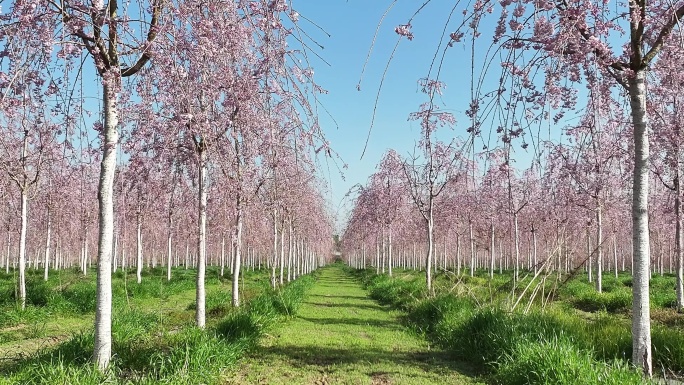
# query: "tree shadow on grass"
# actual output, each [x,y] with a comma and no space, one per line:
[334,285]
[330,359]
[347,305]
[389,325]
[311,296]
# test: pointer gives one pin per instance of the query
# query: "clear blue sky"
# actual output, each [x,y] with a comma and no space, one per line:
[352,25]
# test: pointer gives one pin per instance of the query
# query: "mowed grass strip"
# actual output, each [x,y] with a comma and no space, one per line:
[340,336]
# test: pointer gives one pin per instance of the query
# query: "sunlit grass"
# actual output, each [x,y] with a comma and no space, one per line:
[473,317]
[154,340]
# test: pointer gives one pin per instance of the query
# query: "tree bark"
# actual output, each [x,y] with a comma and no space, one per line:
[103,313]
[237,257]
[491,250]
[472,248]
[641,316]
[599,248]
[200,296]
[46,265]
[290,253]
[169,255]
[22,248]
[389,251]
[139,251]
[275,250]
[282,254]
[428,262]
[679,241]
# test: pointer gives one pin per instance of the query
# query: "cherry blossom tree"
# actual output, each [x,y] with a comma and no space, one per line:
[426,180]
[568,41]
[102,32]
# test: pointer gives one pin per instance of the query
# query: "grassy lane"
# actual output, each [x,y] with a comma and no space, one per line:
[340,336]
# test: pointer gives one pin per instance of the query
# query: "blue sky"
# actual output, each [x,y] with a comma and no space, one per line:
[352,25]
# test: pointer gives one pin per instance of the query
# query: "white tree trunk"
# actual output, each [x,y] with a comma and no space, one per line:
[139,252]
[679,241]
[389,251]
[84,253]
[22,248]
[383,254]
[458,255]
[472,248]
[46,265]
[223,254]
[590,263]
[237,258]
[615,256]
[599,248]
[641,315]
[9,251]
[290,253]
[200,297]
[169,255]
[428,262]
[377,256]
[534,250]
[114,253]
[275,250]
[517,245]
[103,312]
[282,254]
[492,246]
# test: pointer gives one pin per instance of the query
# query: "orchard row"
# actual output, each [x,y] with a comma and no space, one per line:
[199,136]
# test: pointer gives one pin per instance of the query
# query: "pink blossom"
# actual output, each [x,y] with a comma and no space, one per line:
[404,30]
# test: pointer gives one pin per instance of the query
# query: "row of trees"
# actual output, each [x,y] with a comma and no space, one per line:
[155,222]
[201,127]
[549,52]
[491,217]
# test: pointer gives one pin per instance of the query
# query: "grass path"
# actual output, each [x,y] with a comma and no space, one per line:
[340,336]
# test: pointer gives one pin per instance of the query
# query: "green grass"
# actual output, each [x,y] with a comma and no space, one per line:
[340,336]
[559,361]
[471,317]
[154,340]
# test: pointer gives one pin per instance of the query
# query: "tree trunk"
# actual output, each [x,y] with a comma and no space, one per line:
[615,256]
[200,296]
[282,254]
[46,265]
[139,251]
[84,253]
[9,250]
[169,255]
[389,251]
[22,248]
[491,250]
[517,245]
[428,262]
[534,250]
[458,255]
[472,248]
[290,254]
[377,256]
[590,263]
[679,241]
[103,312]
[641,316]
[223,254]
[599,248]
[383,260]
[275,251]
[238,246]
[114,253]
